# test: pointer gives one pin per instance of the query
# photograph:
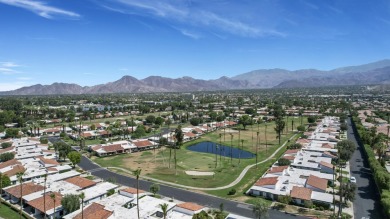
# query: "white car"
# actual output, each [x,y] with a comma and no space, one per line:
[352,179]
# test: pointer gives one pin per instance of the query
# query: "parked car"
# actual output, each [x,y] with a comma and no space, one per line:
[352,179]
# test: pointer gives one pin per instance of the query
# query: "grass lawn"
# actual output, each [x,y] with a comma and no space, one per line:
[8,213]
[156,163]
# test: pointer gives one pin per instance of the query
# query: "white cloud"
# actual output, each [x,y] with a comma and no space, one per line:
[40,8]
[7,68]
[180,13]
[9,64]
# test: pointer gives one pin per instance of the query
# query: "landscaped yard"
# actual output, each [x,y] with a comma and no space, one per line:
[7,213]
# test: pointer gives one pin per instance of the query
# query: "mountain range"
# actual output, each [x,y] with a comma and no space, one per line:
[368,74]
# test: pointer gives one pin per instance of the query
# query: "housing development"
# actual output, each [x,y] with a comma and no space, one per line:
[233,155]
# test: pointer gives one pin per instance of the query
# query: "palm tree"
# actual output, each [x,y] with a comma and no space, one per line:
[260,209]
[53,196]
[1,187]
[231,148]
[82,197]
[20,175]
[257,146]
[44,196]
[380,148]
[164,209]
[137,173]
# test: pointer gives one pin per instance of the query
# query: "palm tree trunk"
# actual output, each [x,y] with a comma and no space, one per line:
[138,196]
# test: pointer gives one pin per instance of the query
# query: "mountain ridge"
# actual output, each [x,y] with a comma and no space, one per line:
[367,74]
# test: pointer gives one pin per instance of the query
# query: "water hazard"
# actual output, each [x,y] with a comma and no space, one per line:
[226,151]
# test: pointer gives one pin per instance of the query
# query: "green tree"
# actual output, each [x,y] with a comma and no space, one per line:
[70,203]
[279,126]
[164,209]
[6,145]
[283,162]
[62,148]
[11,133]
[82,197]
[159,121]
[348,191]
[201,215]
[245,120]
[53,197]
[195,121]
[150,119]
[6,156]
[301,128]
[345,149]
[137,173]
[295,146]
[154,188]
[74,157]
[19,176]
[4,182]
[260,209]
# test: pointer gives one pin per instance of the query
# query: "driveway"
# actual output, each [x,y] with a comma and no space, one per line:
[366,204]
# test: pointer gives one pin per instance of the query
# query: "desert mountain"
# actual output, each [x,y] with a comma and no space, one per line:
[368,74]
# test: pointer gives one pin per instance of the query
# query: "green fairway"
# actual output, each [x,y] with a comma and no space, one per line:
[159,164]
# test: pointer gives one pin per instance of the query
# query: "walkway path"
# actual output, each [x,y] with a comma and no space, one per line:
[235,182]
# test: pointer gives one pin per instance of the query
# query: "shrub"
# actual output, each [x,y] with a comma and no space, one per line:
[44,140]
[6,156]
[283,162]
[232,191]
[6,144]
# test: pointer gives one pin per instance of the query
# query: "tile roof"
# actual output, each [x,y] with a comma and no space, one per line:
[327,145]
[49,161]
[9,163]
[7,149]
[190,134]
[113,148]
[329,165]
[15,169]
[94,211]
[317,182]
[133,190]
[144,143]
[266,181]
[301,193]
[81,182]
[190,206]
[27,188]
[277,169]
[292,151]
[49,203]
[330,154]
[289,157]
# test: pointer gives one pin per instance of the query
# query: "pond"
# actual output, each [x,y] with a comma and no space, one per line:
[226,151]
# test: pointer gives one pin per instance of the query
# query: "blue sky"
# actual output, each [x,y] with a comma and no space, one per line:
[90,42]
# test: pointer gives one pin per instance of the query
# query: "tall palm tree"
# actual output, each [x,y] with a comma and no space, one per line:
[257,146]
[20,175]
[44,196]
[1,187]
[82,197]
[231,148]
[53,197]
[164,209]
[242,148]
[137,173]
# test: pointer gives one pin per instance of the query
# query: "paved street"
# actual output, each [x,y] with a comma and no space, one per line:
[180,194]
[366,204]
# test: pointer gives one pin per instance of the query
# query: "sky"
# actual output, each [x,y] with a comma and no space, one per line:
[91,42]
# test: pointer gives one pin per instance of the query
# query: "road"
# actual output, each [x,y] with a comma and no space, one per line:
[366,204]
[180,194]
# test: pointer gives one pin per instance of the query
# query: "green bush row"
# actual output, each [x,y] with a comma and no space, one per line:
[381,176]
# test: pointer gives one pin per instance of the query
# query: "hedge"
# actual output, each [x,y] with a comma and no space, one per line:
[381,176]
